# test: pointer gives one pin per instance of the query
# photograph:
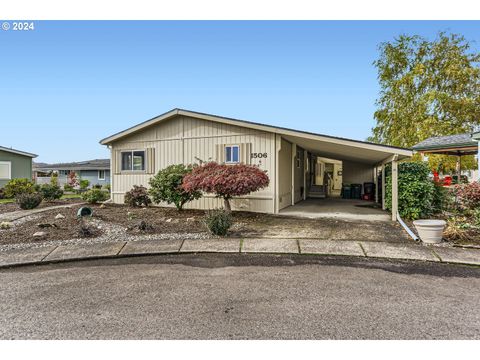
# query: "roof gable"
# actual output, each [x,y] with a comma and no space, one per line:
[252,125]
[18,152]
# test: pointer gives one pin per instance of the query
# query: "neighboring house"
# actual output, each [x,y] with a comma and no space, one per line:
[14,164]
[95,171]
[455,145]
[289,157]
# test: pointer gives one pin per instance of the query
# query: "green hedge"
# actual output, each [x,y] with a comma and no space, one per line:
[417,195]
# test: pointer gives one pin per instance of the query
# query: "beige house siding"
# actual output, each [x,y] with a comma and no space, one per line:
[357,173]
[188,140]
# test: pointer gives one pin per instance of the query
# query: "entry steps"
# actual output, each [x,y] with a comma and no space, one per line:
[317,191]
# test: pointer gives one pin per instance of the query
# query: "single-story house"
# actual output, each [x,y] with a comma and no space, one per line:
[97,171]
[289,156]
[455,145]
[15,164]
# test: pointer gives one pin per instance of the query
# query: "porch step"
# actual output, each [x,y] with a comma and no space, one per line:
[316,192]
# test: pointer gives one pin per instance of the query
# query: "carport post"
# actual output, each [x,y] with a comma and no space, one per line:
[375,181]
[383,186]
[394,189]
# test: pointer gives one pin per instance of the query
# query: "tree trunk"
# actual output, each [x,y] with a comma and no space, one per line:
[226,205]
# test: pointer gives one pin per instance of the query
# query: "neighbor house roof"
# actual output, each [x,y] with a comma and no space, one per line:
[459,143]
[18,152]
[290,134]
[476,135]
[97,164]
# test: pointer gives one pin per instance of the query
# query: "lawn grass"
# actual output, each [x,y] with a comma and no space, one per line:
[66,197]
[71,196]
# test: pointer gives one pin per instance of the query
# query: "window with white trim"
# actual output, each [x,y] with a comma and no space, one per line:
[5,170]
[232,154]
[101,174]
[133,160]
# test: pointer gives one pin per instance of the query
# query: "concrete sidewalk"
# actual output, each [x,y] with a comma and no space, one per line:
[15,215]
[406,251]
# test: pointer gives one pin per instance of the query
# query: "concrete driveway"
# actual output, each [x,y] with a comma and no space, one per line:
[240,297]
[337,208]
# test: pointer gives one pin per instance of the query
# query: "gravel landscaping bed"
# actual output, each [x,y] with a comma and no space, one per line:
[112,223]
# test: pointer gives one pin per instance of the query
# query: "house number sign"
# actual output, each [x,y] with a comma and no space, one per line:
[258,155]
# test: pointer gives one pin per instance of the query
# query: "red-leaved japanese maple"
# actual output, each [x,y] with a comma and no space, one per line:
[226,181]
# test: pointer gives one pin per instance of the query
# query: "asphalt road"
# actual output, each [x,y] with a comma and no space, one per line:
[240,297]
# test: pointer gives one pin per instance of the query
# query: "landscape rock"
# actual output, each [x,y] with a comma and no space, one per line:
[190,219]
[46,225]
[5,225]
[40,234]
[168,220]
[59,216]
[102,206]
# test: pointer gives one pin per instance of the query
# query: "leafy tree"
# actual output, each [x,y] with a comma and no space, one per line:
[427,88]
[167,186]
[226,181]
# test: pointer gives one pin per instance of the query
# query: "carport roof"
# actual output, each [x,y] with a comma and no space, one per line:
[459,144]
[324,145]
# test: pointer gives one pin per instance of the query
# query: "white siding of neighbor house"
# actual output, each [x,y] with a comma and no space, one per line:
[188,140]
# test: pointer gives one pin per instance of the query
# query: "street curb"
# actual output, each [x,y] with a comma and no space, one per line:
[178,252]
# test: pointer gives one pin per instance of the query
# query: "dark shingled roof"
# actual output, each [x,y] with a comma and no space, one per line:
[445,142]
[97,164]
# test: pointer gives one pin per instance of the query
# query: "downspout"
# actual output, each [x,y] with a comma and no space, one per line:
[407,229]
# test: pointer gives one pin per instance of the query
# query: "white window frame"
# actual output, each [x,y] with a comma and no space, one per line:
[131,152]
[101,178]
[9,163]
[231,152]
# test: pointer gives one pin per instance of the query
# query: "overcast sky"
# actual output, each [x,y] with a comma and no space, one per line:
[66,85]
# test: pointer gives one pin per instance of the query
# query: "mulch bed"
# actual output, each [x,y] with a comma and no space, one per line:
[117,222]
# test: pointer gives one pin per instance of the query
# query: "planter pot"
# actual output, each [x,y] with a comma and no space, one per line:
[430,231]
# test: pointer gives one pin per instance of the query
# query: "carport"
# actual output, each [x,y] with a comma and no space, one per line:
[362,162]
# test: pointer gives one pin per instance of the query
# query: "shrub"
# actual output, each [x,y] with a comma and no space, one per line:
[28,201]
[87,230]
[94,196]
[68,187]
[97,186]
[138,196]
[218,221]
[415,190]
[468,195]
[167,186]
[84,184]
[226,181]
[2,193]
[442,199]
[18,186]
[51,192]
[107,187]
[54,179]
